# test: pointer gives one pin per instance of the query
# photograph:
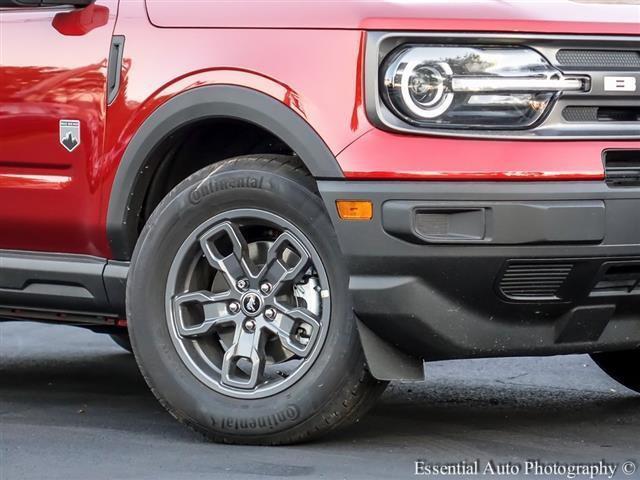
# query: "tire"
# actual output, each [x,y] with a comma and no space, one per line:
[122,339]
[188,363]
[623,367]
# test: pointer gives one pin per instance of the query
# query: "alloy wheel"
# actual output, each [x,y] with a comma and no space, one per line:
[247,303]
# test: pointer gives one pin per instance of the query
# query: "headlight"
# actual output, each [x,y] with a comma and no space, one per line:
[472,87]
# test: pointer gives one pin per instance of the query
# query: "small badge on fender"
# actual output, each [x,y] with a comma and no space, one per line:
[70,134]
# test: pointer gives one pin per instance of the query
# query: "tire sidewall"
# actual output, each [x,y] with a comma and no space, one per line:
[193,202]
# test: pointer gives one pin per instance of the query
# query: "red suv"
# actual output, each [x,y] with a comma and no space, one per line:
[284,205]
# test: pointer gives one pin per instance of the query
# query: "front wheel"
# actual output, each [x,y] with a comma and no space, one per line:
[623,367]
[239,309]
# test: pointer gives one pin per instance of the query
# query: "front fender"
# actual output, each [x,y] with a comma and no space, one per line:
[134,171]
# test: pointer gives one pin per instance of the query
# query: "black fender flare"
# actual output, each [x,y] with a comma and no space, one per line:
[134,173]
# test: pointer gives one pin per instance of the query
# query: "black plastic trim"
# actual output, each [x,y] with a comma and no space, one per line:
[114,69]
[386,361]
[115,284]
[439,298]
[219,101]
[52,282]
[622,167]
[497,223]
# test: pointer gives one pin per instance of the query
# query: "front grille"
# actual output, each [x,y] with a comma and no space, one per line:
[598,58]
[601,114]
[622,167]
[534,281]
[580,114]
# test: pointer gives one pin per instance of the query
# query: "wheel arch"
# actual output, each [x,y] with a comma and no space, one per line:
[138,164]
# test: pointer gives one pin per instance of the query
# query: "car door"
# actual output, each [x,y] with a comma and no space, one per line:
[53,99]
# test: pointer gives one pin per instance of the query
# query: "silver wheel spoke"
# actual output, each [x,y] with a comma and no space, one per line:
[211,305]
[248,347]
[297,329]
[275,271]
[236,265]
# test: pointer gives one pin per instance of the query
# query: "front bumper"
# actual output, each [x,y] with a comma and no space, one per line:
[480,269]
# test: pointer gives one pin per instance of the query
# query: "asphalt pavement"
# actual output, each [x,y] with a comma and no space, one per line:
[73,406]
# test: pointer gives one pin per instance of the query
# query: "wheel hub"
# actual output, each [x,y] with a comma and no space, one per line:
[252,304]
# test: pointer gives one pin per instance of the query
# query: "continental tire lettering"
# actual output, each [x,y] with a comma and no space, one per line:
[288,415]
[211,185]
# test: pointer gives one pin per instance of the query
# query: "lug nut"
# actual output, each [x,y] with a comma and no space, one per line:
[270,313]
[234,307]
[242,284]
[250,325]
[265,288]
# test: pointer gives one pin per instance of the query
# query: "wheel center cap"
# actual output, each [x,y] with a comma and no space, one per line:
[251,304]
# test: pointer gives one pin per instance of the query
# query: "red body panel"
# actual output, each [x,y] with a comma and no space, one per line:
[534,16]
[382,155]
[53,200]
[53,67]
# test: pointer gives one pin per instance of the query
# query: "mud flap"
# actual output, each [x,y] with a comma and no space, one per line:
[386,362]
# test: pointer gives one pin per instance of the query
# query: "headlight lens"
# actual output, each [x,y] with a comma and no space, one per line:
[472,87]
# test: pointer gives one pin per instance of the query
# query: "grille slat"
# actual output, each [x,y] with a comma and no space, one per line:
[549,279]
[541,275]
[533,290]
[527,269]
[531,281]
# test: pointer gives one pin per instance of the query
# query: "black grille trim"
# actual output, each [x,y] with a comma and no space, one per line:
[599,59]
[618,279]
[601,114]
[534,281]
[622,167]
[580,114]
